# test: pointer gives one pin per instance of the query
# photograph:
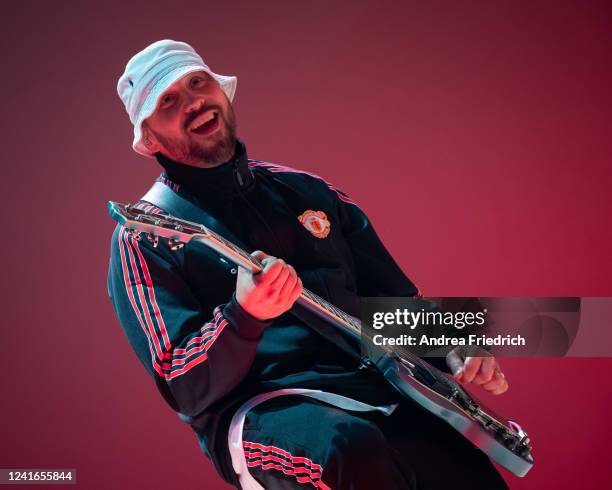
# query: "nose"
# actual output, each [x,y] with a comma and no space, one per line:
[195,104]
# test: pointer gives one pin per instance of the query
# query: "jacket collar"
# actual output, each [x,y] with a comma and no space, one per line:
[225,181]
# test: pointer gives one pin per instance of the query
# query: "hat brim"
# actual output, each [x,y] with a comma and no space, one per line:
[227,83]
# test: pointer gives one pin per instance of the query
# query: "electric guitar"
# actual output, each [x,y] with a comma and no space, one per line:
[503,440]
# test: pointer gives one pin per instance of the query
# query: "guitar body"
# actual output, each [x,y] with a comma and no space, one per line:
[490,437]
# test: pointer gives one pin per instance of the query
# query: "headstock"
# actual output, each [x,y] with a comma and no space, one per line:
[140,223]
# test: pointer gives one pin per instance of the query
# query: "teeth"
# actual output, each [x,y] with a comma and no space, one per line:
[204,118]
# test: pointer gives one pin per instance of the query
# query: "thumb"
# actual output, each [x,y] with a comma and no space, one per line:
[455,362]
[259,256]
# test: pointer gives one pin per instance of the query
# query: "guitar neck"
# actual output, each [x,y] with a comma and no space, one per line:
[324,309]
[307,298]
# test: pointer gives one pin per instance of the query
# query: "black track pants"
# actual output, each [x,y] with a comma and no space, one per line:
[295,442]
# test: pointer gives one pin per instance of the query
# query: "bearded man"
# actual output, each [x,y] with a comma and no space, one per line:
[221,344]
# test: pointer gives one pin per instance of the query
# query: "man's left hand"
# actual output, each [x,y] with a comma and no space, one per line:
[482,371]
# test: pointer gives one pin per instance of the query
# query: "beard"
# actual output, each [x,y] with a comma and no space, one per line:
[217,149]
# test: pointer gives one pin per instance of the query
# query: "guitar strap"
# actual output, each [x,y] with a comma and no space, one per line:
[171,202]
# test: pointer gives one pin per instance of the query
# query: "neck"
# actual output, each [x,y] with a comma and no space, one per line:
[227,178]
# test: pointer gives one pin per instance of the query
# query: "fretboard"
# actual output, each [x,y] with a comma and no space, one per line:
[237,255]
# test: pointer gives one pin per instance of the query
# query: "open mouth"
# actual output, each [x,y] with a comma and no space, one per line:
[205,123]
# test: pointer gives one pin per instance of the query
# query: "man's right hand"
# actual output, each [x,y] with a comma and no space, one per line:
[271,292]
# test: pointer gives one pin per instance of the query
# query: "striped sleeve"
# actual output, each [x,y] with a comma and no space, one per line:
[198,356]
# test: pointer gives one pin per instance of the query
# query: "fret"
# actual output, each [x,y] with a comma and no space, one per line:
[333,310]
[231,246]
[327,307]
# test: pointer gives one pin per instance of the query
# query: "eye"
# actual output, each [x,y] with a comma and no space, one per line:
[166,101]
[197,81]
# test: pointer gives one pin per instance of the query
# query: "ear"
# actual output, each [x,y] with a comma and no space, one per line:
[149,140]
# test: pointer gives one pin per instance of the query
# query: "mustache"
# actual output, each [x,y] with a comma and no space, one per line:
[193,117]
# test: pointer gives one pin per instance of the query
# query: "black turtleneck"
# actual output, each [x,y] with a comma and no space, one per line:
[225,181]
[234,196]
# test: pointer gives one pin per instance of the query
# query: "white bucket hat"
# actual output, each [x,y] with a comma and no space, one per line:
[150,72]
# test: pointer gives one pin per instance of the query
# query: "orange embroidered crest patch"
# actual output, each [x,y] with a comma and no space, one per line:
[315,222]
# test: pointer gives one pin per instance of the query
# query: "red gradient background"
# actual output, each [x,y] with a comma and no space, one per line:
[475,134]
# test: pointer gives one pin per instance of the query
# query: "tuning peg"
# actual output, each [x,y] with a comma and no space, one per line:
[175,244]
[134,234]
[154,239]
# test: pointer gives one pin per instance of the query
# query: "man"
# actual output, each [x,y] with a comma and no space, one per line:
[221,345]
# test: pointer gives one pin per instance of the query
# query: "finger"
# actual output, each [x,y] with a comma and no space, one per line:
[297,290]
[272,268]
[455,362]
[493,384]
[498,370]
[287,288]
[259,255]
[497,385]
[470,368]
[485,373]
[504,386]
[502,389]
[281,278]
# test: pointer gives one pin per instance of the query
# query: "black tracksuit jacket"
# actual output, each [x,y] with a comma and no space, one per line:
[206,354]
